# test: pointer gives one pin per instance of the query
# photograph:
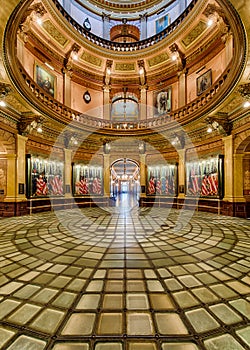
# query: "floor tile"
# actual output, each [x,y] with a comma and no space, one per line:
[79,324]
[170,324]
[225,341]
[124,281]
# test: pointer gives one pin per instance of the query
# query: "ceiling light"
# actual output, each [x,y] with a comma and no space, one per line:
[39,21]
[246,104]
[174,57]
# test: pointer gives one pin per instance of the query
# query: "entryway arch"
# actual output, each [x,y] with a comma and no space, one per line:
[125,182]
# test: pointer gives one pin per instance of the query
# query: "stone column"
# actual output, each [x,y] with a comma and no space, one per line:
[106,175]
[229,47]
[228,168]
[11,189]
[181,172]
[143,19]
[143,104]
[106,102]
[182,89]
[238,178]
[68,172]
[67,6]
[182,5]
[67,87]
[20,167]
[106,28]
[143,175]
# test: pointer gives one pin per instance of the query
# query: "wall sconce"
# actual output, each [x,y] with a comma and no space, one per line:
[27,125]
[3,103]
[222,125]
[106,148]
[142,147]
[5,89]
[36,124]
[39,128]
[107,73]
[244,91]
[209,128]
[142,72]
[178,56]
[212,125]
[178,139]
[74,141]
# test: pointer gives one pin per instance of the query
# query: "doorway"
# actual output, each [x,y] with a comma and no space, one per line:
[125,183]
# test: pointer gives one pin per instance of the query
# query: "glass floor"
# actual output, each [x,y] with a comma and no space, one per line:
[129,279]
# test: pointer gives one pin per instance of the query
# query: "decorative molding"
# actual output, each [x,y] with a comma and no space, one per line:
[5,89]
[244,90]
[52,30]
[154,61]
[94,60]
[194,34]
[125,67]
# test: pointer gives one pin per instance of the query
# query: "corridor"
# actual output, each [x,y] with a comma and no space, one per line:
[138,279]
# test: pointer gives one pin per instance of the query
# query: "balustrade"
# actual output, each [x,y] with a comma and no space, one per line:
[71,115]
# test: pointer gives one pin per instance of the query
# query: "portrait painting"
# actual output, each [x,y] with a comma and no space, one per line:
[45,80]
[162,23]
[162,101]
[204,82]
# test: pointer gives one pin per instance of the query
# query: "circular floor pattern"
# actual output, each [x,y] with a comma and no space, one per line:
[93,279]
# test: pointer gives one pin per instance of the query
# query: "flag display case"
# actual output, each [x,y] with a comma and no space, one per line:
[87,180]
[162,180]
[204,177]
[44,177]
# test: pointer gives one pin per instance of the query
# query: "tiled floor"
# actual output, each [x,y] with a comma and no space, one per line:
[141,279]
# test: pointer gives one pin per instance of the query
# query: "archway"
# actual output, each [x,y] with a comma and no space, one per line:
[125,183]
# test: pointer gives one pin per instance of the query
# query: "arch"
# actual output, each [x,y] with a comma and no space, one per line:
[242,142]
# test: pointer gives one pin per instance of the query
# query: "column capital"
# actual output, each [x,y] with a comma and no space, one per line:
[22,137]
[143,88]
[106,88]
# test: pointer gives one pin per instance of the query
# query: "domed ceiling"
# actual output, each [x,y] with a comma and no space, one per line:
[125,6]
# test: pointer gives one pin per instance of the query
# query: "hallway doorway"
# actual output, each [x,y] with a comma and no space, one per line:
[125,183]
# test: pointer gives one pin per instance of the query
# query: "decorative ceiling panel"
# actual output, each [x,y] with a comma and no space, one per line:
[49,27]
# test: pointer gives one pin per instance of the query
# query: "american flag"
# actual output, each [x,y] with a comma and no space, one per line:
[158,186]
[205,186]
[151,186]
[41,187]
[97,186]
[84,186]
[56,184]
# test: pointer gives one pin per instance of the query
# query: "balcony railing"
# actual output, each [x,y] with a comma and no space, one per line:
[181,115]
[124,47]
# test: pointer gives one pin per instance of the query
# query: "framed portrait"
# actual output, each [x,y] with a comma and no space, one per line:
[45,79]
[162,101]
[204,82]
[161,23]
